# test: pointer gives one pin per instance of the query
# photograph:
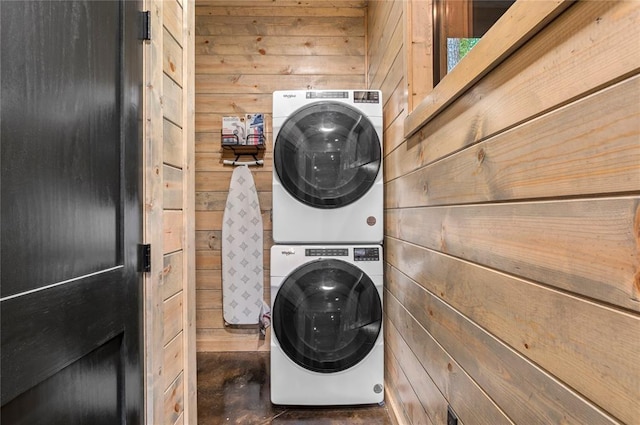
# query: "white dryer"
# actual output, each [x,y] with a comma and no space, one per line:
[326,313]
[327,173]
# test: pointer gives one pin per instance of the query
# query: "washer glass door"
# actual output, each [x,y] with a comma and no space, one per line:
[327,155]
[327,315]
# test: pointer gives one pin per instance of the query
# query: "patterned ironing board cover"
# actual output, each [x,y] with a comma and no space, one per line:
[242,251]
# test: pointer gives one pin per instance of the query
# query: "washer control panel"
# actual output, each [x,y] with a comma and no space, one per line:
[326,252]
[366,254]
[365,96]
[359,96]
[327,95]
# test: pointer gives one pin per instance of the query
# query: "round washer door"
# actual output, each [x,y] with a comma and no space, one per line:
[327,315]
[327,155]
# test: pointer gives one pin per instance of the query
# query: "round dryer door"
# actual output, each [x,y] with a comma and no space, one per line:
[327,155]
[327,316]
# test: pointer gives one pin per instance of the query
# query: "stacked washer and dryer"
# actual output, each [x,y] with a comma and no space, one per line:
[326,264]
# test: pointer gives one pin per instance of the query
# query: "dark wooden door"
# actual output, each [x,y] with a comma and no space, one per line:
[70,295]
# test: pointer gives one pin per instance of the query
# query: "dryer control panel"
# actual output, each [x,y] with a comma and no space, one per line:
[366,254]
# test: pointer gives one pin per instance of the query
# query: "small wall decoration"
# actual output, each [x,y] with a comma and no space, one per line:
[244,130]
[233,131]
[254,126]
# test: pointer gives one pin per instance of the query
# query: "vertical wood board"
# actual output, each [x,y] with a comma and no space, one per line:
[153,217]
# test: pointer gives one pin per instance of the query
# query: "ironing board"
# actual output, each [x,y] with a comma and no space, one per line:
[242,257]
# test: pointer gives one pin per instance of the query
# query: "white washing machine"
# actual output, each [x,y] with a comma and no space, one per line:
[327,173]
[326,315]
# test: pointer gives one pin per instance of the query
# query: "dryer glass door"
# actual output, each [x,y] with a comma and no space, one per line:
[327,315]
[327,155]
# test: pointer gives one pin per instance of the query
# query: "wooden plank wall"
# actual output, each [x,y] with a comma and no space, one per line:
[511,232]
[244,51]
[387,71]
[169,217]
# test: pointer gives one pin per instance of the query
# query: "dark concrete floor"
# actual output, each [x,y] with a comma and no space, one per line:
[233,388]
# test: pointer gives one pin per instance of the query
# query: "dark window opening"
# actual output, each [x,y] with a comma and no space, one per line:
[458,26]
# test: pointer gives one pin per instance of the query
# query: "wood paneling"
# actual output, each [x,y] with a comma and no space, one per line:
[229,339]
[208,279]
[244,53]
[174,401]
[173,360]
[247,84]
[415,395]
[296,5]
[531,319]
[209,318]
[239,104]
[539,158]
[394,129]
[387,44]
[273,45]
[153,219]
[172,317]
[173,229]
[208,240]
[419,54]
[172,101]
[172,63]
[169,213]
[279,65]
[587,247]
[173,190]
[172,275]
[209,299]
[190,412]
[172,20]
[466,396]
[392,389]
[511,219]
[283,26]
[427,392]
[284,11]
[208,260]
[173,149]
